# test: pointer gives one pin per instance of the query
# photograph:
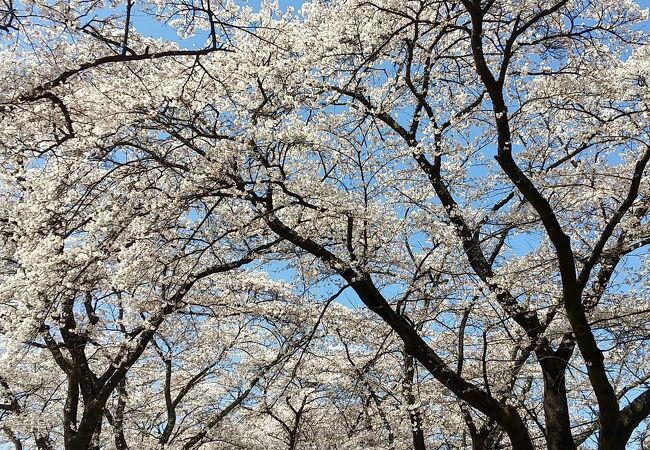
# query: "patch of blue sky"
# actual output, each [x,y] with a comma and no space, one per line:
[147,25]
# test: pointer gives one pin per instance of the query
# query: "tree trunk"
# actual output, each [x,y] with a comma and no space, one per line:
[556,409]
[613,439]
[414,412]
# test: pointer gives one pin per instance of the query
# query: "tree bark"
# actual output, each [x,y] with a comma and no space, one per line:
[556,408]
[415,416]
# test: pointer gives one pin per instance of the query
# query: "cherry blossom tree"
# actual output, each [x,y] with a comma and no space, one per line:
[364,224]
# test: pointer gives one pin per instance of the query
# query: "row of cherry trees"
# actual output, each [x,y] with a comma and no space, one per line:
[366,224]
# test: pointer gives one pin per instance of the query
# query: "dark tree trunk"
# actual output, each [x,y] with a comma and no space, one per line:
[556,408]
[556,412]
[414,413]
[613,438]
